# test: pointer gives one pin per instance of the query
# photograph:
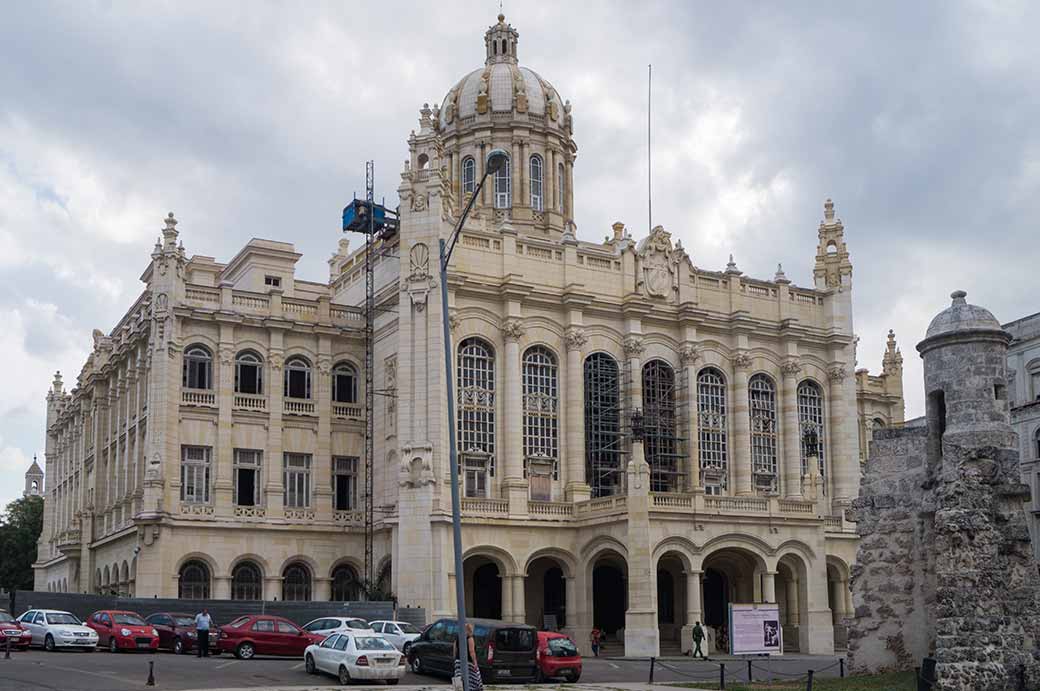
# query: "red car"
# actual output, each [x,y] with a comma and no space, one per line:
[120,630]
[12,630]
[259,634]
[177,632]
[557,657]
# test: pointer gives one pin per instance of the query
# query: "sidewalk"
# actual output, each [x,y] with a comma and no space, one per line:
[606,686]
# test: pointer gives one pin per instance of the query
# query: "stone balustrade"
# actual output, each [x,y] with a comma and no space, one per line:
[254,402]
[297,406]
[262,304]
[199,398]
[347,412]
[550,510]
[485,507]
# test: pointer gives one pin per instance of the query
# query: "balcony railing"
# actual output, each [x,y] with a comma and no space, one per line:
[199,398]
[254,402]
[294,406]
[551,510]
[346,412]
[485,507]
[737,504]
[349,517]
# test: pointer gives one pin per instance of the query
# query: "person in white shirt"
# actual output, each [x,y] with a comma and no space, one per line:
[202,623]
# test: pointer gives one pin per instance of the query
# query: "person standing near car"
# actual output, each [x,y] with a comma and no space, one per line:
[476,682]
[202,623]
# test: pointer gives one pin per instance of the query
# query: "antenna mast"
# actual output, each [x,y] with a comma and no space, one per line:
[649,188]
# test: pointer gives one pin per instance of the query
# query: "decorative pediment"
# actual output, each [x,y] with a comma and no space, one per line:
[658,265]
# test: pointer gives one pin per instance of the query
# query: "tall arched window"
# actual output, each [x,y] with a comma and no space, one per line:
[296,582]
[198,368]
[660,429]
[561,187]
[810,424]
[503,186]
[344,383]
[248,373]
[712,437]
[536,182]
[1036,440]
[345,586]
[603,466]
[541,427]
[762,407]
[193,583]
[469,175]
[246,582]
[297,378]
[476,419]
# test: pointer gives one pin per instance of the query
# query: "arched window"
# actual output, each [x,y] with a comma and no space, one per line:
[345,586]
[503,186]
[561,187]
[712,437]
[762,406]
[660,436]
[248,373]
[810,424]
[344,383]
[1036,440]
[246,582]
[193,583]
[541,427]
[297,378]
[476,401]
[469,175]
[296,583]
[198,368]
[536,183]
[603,464]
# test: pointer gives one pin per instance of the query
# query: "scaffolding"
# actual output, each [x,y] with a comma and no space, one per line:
[663,446]
[604,438]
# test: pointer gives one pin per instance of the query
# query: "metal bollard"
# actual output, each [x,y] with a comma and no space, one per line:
[7,648]
[749,671]
[808,682]
[151,674]
[722,675]
[841,667]
[652,660]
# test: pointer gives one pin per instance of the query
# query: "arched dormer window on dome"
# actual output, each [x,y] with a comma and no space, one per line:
[504,186]
[469,175]
[537,196]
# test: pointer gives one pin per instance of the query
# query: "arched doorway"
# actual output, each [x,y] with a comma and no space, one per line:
[545,594]
[839,600]
[792,597]
[731,576]
[671,599]
[610,597]
[716,597]
[483,588]
[193,583]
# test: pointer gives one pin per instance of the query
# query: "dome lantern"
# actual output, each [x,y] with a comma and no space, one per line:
[500,41]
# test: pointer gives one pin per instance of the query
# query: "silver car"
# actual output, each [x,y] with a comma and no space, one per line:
[55,629]
[400,633]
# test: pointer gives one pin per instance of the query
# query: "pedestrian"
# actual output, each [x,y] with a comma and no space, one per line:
[202,623]
[476,682]
[594,640]
[698,636]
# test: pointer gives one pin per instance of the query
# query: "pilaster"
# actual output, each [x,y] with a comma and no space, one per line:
[642,638]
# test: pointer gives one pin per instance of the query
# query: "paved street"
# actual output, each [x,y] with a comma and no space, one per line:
[101,671]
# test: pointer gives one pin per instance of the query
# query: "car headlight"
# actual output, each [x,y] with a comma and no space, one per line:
[191,634]
[124,632]
[155,632]
[64,632]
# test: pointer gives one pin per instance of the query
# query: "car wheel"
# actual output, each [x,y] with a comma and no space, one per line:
[573,678]
[245,651]
[406,648]
[308,664]
[178,646]
[416,663]
[48,643]
[112,647]
[539,678]
[344,676]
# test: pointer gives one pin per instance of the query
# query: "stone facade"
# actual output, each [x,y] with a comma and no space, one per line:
[1024,394]
[944,565]
[732,490]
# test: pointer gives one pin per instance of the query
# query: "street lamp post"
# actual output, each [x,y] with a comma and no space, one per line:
[495,160]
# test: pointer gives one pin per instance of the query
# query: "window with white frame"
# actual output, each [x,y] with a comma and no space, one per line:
[469,175]
[537,168]
[561,186]
[476,400]
[762,408]
[248,373]
[248,481]
[541,404]
[504,186]
[344,383]
[712,434]
[195,474]
[198,368]
[297,378]
[810,424]
[344,482]
[297,480]
[475,475]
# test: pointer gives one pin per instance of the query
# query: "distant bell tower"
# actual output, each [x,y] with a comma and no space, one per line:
[33,480]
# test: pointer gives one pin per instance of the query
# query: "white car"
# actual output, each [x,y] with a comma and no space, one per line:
[55,629]
[400,633]
[326,625]
[356,656]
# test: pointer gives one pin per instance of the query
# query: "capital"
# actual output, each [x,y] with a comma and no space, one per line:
[575,338]
[741,360]
[689,354]
[513,330]
[837,373]
[790,368]
[633,346]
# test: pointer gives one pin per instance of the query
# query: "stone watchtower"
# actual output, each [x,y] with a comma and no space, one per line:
[33,480]
[945,567]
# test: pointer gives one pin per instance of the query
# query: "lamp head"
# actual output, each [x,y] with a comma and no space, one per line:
[496,159]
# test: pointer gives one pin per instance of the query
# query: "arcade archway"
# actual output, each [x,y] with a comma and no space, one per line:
[545,593]
[483,587]
[610,596]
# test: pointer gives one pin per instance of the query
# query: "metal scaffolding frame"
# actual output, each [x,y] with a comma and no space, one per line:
[605,446]
[663,446]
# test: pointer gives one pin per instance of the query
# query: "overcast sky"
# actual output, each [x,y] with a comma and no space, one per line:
[254,119]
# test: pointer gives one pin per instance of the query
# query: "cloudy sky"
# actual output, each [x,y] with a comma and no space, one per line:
[921,120]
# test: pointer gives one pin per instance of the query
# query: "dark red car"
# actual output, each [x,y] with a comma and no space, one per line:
[118,630]
[177,632]
[12,630]
[557,657]
[260,634]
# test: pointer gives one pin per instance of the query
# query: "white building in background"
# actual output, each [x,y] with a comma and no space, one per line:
[218,427]
[1024,385]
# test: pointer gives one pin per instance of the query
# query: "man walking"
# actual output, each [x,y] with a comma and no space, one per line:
[202,622]
[698,636]
[595,638]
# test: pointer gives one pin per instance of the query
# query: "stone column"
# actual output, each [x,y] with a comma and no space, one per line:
[693,609]
[272,587]
[519,602]
[514,485]
[740,453]
[792,602]
[222,587]
[273,498]
[550,194]
[223,454]
[323,589]
[688,356]
[642,637]
[516,161]
[569,185]
[769,586]
[322,502]
[792,459]
[844,465]
[571,603]
[506,588]
[577,488]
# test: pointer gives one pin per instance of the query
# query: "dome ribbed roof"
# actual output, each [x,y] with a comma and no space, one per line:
[960,316]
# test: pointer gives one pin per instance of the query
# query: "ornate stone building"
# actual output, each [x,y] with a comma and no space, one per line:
[641,441]
[1024,394]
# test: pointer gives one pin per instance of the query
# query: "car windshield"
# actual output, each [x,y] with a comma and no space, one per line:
[372,643]
[407,628]
[235,624]
[61,618]
[184,621]
[562,647]
[129,619]
[5,617]
[357,624]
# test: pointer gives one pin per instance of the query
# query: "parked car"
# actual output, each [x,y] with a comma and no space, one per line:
[118,630]
[400,633]
[12,630]
[351,656]
[557,657]
[177,632]
[326,625]
[505,651]
[55,629]
[264,635]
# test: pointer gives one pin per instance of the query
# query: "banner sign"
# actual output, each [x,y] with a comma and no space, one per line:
[755,630]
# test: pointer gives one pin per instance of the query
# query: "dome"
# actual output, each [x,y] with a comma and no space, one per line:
[503,86]
[961,317]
